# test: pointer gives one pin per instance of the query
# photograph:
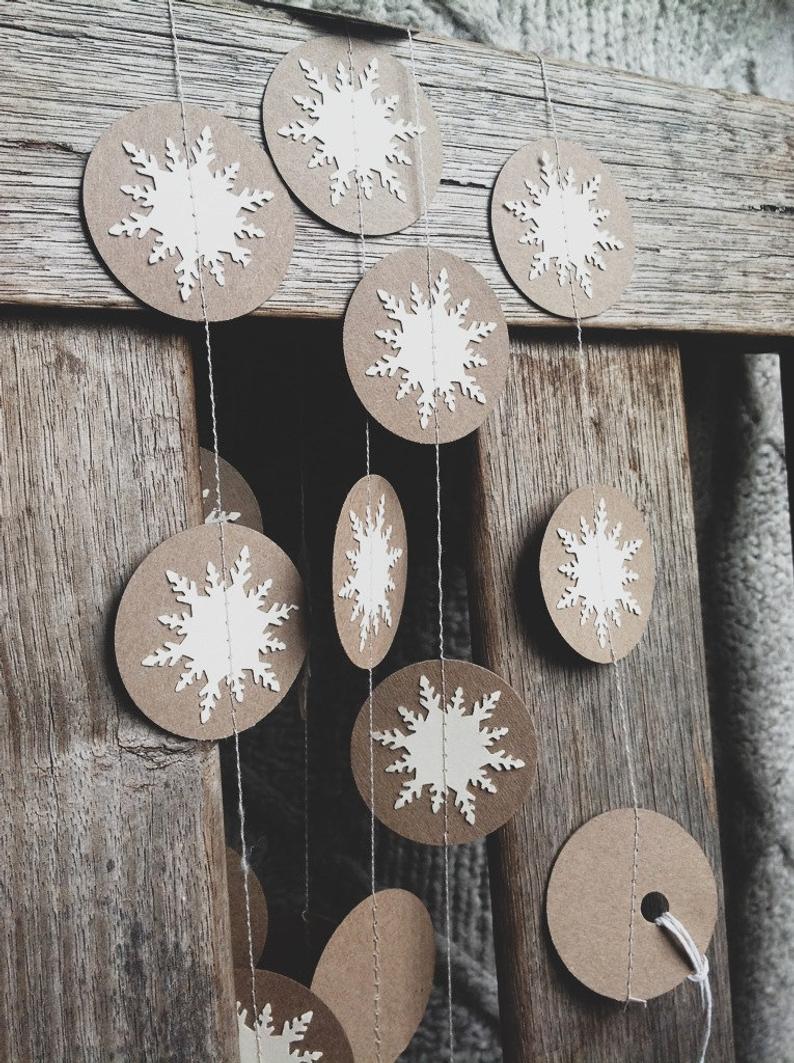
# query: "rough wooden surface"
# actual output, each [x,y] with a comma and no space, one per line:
[638,444]
[709,175]
[114,939]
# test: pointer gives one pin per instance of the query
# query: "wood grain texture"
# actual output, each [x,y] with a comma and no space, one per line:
[638,443]
[114,939]
[709,176]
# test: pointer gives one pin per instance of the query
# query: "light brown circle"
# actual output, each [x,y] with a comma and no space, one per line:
[237,916]
[110,168]
[416,819]
[288,1001]
[606,284]
[383,211]
[583,636]
[371,512]
[150,595]
[407,952]
[588,902]
[403,277]
[238,501]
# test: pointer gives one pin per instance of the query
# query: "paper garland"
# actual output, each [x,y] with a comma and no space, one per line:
[237,911]
[240,505]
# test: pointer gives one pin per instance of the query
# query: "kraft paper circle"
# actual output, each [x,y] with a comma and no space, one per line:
[143,204]
[171,633]
[344,978]
[340,148]
[564,234]
[490,751]
[597,573]
[588,902]
[237,917]
[238,501]
[370,567]
[416,361]
[294,1023]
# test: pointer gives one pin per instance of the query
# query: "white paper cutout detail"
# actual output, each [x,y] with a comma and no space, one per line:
[598,573]
[427,330]
[468,749]
[275,1047]
[205,644]
[175,194]
[370,581]
[214,517]
[355,130]
[565,223]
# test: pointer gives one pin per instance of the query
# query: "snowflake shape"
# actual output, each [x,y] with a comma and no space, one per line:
[565,223]
[274,1047]
[186,198]
[219,517]
[468,749]
[598,573]
[370,580]
[434,347]
[206,640]
[355,130]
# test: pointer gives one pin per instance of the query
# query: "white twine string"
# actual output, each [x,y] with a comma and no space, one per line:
[439,554]
[221,523]
[307,675]
[700,970]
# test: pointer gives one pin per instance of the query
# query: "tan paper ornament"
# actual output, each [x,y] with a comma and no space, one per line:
[238,501]
[237,911]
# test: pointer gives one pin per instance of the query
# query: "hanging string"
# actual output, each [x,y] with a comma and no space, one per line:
[305,685]
[221,523]
[439,555]
[700,970]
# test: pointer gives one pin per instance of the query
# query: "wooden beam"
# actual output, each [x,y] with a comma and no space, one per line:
[708,175]
[115,938]
[641,447]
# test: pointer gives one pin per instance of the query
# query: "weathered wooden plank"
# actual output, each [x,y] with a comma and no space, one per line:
[709,175]
[114,940]
[639,444]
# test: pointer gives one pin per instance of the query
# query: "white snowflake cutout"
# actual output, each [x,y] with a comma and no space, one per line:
[188,197]
[206,639]
[433,347]
[274,1047]
[598,573]
[370,580]
[355,130]
[219,517]
[452,734]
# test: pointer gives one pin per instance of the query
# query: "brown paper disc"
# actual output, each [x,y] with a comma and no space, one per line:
[238,921]
[601,603]
[238,501]
[588,902]
[146,235]
[490,751]
[293,1021]
[320,135]
[409,366]
[595,252]
[370,567]
[344,978]
[171,641]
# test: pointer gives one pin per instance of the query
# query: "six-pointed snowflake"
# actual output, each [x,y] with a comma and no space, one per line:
[598,573]
[274,1047]
[565,224]
[370,581]
[434,348]
[356,131]
[469,751]
[206,642]
[186,199]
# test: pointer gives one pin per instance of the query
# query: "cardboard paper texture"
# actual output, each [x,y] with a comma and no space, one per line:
[238,500]
[295,1026]
[490,751]
[412,359]
[370,567]
[564,236]
[143,204]
[239,928]
[342,142]
[588,902]
[344,977]
[182,681]
[597,573]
